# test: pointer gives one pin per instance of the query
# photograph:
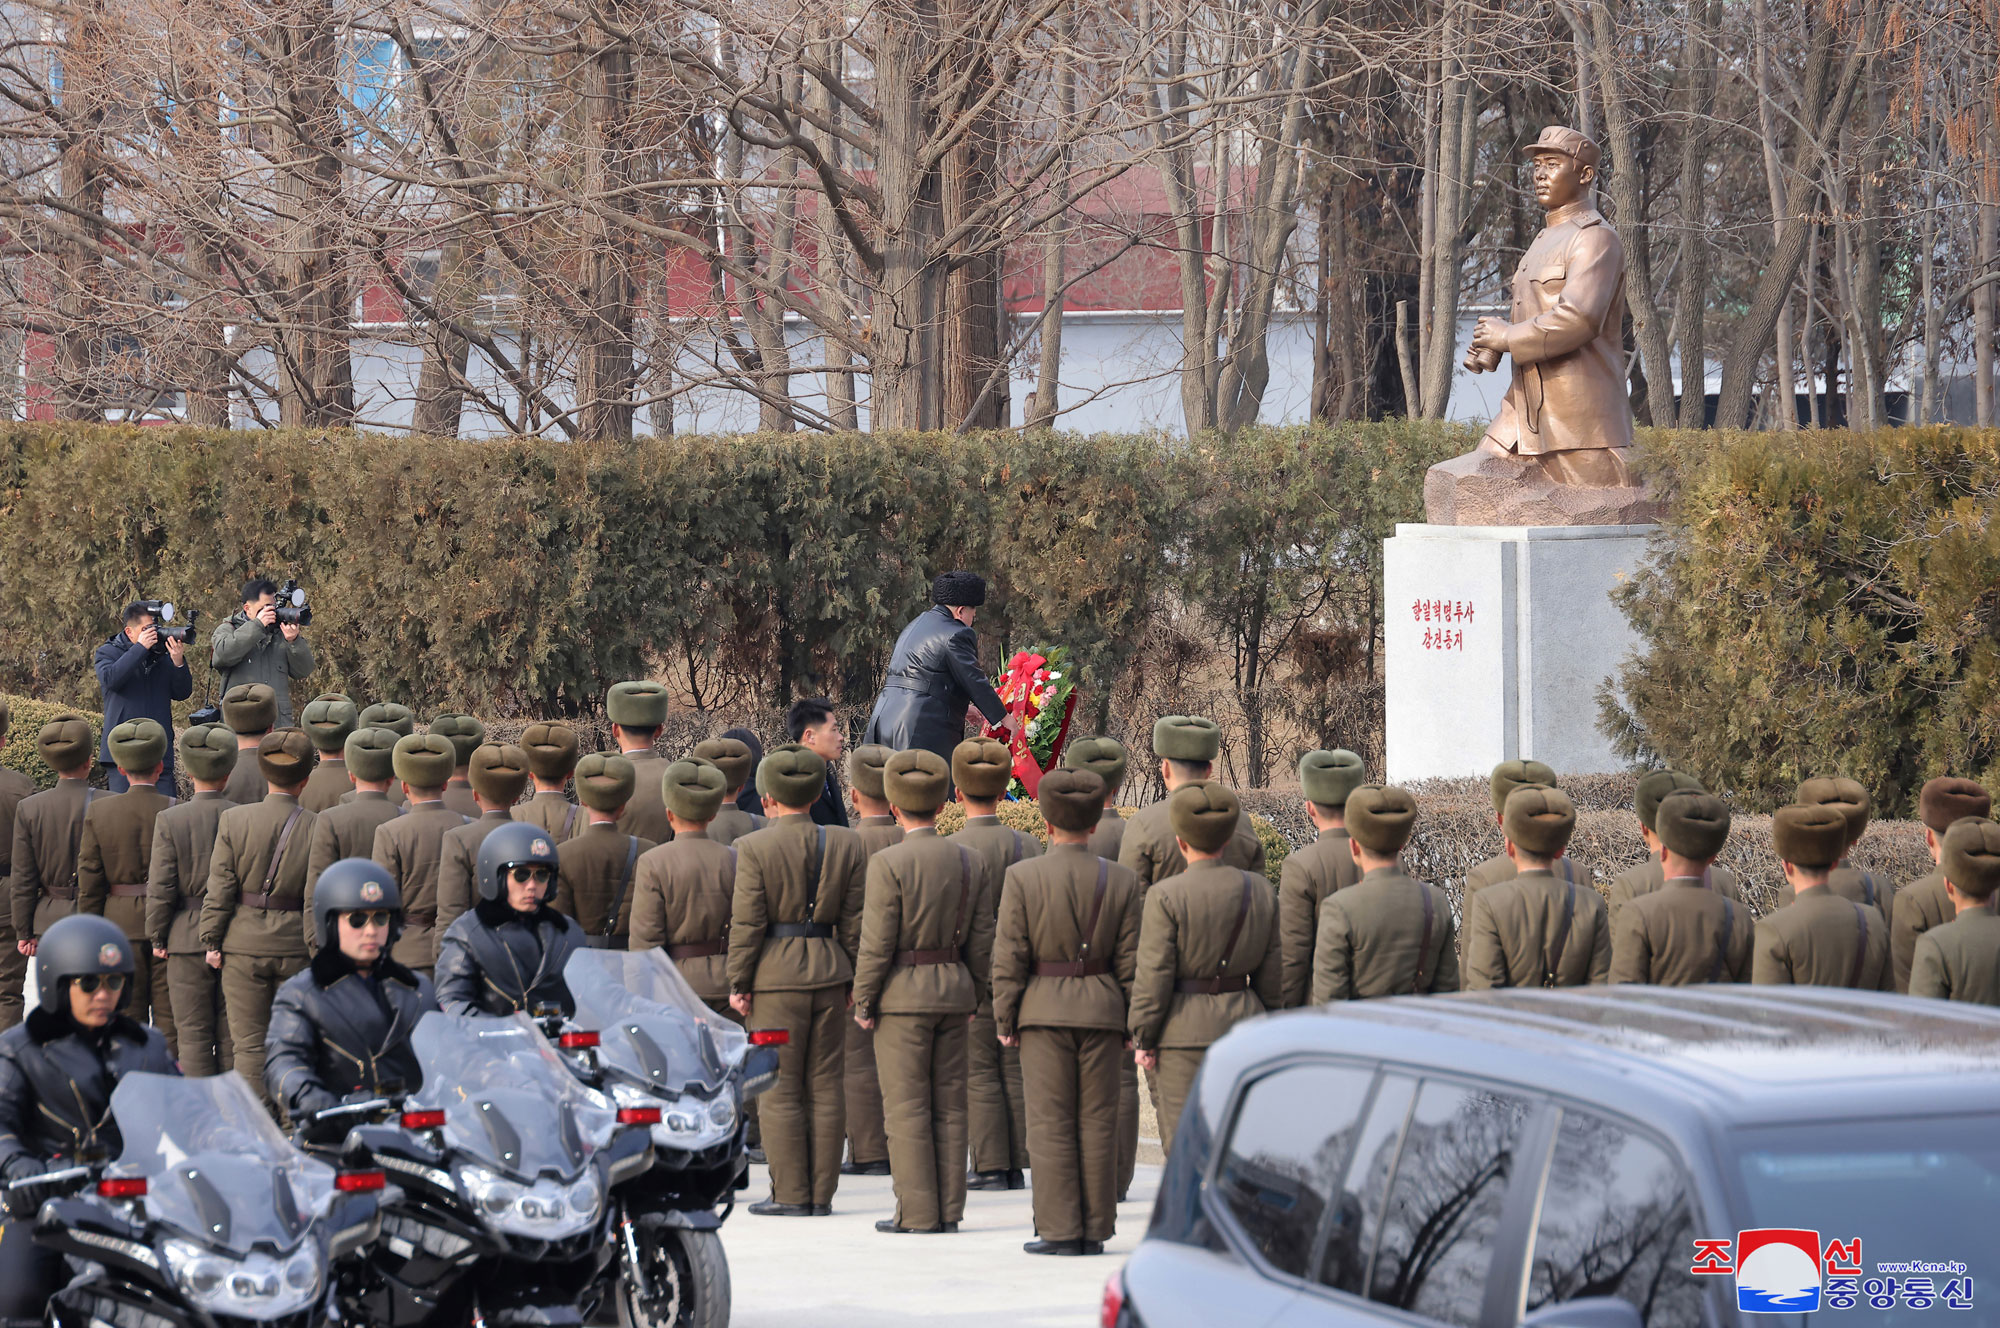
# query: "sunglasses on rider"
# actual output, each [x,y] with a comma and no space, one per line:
[90,982]
[539,875]
[380,917]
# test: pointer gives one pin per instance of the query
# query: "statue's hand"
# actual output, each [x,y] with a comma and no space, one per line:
[1489,334]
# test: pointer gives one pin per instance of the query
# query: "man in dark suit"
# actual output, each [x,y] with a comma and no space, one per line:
[811,723]
[934,674]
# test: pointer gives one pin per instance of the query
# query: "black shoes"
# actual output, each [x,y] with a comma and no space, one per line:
[888,1226]
[772,1208]
[1017,1179]
[1064,1247]
[822,1210]
[990,1180]
[864,1168]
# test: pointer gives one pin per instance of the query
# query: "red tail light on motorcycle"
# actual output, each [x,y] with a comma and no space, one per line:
[578,1041]
[771,1037]
[638,1115]
[424,1120]
[122,1187]
[1114,1302]
[359,1182]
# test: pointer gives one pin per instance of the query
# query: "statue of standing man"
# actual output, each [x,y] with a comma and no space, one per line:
[1557,452]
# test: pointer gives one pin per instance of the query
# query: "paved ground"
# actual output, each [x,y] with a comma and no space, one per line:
[839,1272]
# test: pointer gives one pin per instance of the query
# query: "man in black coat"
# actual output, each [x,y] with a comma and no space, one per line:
[142,676]
[934,674]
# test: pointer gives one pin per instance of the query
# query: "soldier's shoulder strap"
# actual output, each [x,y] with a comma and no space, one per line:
[816,871]
[1242,916]
[964,894]
[1096,909]
[1424,943]
[1552,958]
[76,836]
[1860,944]
[278,847]
[569,820]
[1722,946]
[624,884]
[1019,846]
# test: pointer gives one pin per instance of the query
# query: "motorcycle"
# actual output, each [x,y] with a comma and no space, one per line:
[643,1037]
[208,1218]
[506,1163]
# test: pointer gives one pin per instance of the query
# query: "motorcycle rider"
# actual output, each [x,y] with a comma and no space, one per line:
[57,1069]
[508,953]
[342,1027]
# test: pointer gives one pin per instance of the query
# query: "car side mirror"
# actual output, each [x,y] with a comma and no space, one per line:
[1587,1312]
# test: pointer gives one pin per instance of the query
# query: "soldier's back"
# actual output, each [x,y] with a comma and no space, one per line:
[1109,836]
[1921,906]
[680,902]
[1307,878]
[790,873]
[458,867]
[326,785]
[1680,935]
[1960,960]
[245,786]
[1148,846]
[1537,929]
[925,897]
[646,814]
[594,884]
[1386,935]
[1866,888]
[1201,909]
[1650,875]
[558,817]
[732,823]
[877,833]
[1825,940]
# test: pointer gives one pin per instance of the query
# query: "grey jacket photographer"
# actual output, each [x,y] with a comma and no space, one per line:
[264,642]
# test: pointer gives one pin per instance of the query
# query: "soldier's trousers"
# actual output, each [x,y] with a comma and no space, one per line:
[803,1115]
[921,1061]
[1128,1121]
[867,1140]
[151,1001]
[13,980]
[1071,1076]
[194,990]
[249,984]
[999,1119]
[1178,1066]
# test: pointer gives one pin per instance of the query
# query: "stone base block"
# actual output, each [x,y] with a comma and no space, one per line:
[1496,639]
[1485,488]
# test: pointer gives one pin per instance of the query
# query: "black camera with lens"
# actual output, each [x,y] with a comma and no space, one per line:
[292,606]
[164,621]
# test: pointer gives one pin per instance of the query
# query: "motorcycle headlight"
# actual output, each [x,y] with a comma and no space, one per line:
[543,1210]
[722,1113]
[253,1286]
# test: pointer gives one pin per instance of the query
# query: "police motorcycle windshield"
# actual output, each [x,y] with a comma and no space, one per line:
[653,1029]
[510,1103]
[217,1169]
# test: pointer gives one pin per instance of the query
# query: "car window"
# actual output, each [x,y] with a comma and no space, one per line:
[1616,1220]
[1286,1149]
[1444,1204]
[1357,1213]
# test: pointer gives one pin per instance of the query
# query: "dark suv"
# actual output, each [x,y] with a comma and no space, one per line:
[1568,1157]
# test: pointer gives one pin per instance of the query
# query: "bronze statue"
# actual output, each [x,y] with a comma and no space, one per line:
[1556,453]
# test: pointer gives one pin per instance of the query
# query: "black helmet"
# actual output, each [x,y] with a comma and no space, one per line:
[349,885]
[520,843]
[78,946]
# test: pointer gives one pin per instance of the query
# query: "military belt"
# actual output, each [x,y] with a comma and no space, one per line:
[129,891]
[916,958]
[420,917]
[605,942]
[1077,968]
[784,930]
[272,904]
[1218,985]
[697,950]
[59,891]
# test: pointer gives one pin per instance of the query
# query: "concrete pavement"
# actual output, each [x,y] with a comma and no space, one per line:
[839,1272]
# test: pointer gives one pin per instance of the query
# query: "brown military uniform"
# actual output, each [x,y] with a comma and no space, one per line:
[1386,935]
[1823,939]
[1960,961]
[14,787]
[412,847]
[1863,887]
[254,914]
[1148,847]
[1307,877]
[176,885]
[1064,953]
[923,966]
[325,786]
[345,830]
[1537,930]
[246,786]
[995,1102]
[794,924]
[1650,875]
[1921,906]
[1208,959]
[1501,868]
[555,813]
[646,814]
[1108,839]
[458,797]
[595,883]
[680,903]
[867,1134]
[48,831]
[458,868]
[113,857]
[732,823]
[1682,934]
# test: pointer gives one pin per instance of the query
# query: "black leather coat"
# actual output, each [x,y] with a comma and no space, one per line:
[934,675]
[55,1087]
[496,961]
[334,1032]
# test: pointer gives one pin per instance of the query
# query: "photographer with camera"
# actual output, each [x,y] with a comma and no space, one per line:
[263,642]
[143,671]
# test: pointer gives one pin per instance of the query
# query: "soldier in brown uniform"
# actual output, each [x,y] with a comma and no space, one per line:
[250,710]
[1187,746]
[1960,960]
[637,710]
[1847,797]
[1923,904]
[875,825]
[252,919]
[1105,758]
[1506,777]
[14,787]
[48,827]
[465,734]
[1208,948]
[732,757]
[498,772]
[1686,931]
[1820,938]
[114,854]
[176,885]
[980,772]
[681,898]
[1388,934]
[412,845]
[1651,874]
[794,924]
[925,957]
[1538,929]
[347,829]
[328,719]
[1317,870]
[599,865]
[1064,954]
[551,750]
[399,720]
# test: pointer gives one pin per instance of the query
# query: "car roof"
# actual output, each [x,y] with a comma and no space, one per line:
[1725,1053]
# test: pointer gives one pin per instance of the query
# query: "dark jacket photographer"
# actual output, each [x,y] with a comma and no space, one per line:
[254,645]
[142,674]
